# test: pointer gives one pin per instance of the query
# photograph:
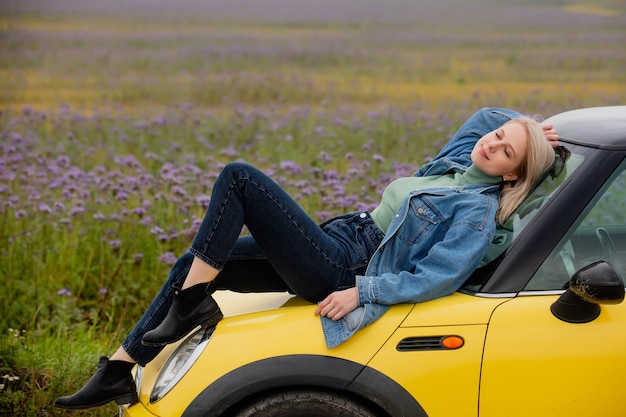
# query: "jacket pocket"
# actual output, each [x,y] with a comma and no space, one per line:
[421,218]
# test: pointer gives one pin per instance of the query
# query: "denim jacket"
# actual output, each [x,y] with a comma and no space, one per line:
[437,239]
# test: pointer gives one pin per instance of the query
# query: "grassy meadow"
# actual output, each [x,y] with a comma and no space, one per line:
[117,116]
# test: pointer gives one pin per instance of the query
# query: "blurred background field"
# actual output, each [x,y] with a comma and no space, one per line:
[117,116]
[364,53]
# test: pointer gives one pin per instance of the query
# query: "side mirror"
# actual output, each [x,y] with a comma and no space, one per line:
[592,285]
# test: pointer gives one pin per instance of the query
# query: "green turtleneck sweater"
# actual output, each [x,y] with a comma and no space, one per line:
[396,192]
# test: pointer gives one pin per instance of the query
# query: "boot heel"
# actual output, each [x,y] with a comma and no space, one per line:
[212,320]
[130,398]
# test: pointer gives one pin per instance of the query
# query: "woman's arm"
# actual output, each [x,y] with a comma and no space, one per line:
[442,271]
[446,267]
[460,146]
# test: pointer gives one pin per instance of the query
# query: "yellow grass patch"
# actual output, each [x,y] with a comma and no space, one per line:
[47,93]
[125,28]
[595,9]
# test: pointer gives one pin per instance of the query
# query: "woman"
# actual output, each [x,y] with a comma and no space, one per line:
[481,175]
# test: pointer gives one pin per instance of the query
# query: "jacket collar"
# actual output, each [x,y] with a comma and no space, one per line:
[444,166]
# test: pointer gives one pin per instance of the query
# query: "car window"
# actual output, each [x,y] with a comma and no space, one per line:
[600,235]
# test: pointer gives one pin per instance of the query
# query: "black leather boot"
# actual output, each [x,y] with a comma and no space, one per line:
[111,382]
[192,307]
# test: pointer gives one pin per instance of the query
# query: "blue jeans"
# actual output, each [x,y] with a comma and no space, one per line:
[287,250]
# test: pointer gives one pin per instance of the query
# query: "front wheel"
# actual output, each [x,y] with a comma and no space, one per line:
[306,403]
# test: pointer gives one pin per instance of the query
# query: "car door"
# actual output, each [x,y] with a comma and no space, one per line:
[535,364]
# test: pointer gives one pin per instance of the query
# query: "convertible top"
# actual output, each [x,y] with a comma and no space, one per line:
[599,127]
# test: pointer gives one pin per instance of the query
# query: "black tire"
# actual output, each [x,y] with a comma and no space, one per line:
[306,403]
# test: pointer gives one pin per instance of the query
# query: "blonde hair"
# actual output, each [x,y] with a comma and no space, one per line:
[539,157]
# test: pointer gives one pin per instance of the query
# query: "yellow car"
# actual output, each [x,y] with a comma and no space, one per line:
[538,330]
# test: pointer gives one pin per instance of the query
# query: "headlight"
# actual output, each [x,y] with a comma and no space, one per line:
[180,362]
[138,375]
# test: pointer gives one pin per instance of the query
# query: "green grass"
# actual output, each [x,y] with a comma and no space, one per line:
[117,116]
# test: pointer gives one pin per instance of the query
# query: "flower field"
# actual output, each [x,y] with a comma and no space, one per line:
[116,117]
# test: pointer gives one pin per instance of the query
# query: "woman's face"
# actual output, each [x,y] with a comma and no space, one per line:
[500,153]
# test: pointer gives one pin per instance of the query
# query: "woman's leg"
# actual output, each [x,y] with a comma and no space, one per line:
[311,261]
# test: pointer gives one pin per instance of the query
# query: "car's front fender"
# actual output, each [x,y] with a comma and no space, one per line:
[294,371]
[243,340]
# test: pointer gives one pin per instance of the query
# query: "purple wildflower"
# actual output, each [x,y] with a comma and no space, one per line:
[121,196]
[230,151]
[64,292]
[115,243]
[139,211]
[203,200]
[290,166]
[76,210]
[59,207]
[45,208]
[168,257]
[325,157]
[63,161]
[179,191]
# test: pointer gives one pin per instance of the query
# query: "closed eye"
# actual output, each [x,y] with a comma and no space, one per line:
[500,136]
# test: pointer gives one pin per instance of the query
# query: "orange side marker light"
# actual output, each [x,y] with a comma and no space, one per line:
[452,342]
